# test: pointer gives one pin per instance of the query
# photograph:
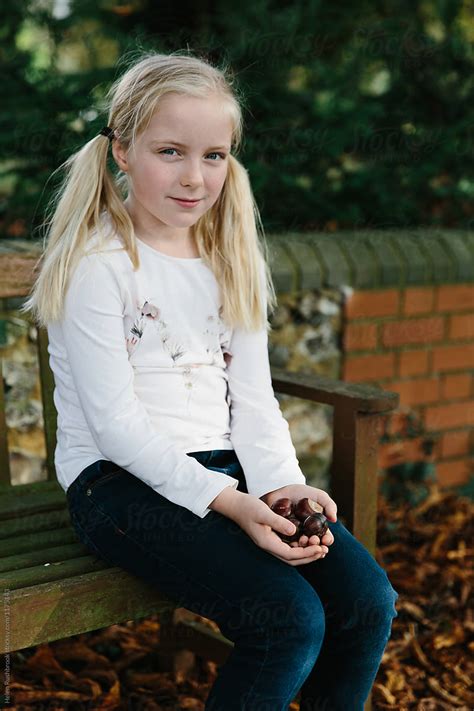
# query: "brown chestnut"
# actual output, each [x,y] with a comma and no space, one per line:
[306,507]
[315,525]
[283,507]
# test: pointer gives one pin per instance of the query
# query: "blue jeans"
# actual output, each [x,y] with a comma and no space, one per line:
[320,627]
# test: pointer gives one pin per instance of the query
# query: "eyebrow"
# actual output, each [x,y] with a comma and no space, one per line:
[183,145]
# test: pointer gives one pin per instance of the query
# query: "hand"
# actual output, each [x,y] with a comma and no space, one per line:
[295,492]
[260,523]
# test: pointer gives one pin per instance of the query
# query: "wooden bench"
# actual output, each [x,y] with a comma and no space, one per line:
[53,587]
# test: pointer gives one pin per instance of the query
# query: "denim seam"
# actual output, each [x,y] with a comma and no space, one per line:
[267,647]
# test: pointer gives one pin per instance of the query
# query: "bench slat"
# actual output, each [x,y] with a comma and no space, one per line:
[19,490]
[34,523]
[58,570]
[38,556]
[30,498]
[61,608]
[42,539]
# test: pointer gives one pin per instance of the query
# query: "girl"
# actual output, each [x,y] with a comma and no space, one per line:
[171,445]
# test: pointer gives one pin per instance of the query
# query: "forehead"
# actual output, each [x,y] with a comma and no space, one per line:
[190,119]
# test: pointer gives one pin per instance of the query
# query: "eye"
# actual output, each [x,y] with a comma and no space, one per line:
[221,155]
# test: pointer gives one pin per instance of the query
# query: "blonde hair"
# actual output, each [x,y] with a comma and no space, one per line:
[229,236]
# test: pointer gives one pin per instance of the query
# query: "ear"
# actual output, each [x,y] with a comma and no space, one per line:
[120,155]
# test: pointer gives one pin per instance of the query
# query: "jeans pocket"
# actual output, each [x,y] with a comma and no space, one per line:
[106,471]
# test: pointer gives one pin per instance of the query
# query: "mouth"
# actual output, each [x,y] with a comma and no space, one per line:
[187,199]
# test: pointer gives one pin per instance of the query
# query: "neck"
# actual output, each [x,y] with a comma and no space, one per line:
[175,241]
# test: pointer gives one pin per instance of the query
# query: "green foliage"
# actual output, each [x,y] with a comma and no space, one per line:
[353,119]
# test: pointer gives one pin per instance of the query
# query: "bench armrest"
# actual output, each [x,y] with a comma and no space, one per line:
[338,393]
[358,414]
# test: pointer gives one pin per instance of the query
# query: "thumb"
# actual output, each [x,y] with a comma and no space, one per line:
[282,525]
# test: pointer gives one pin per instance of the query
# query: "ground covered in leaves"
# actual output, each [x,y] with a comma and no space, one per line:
[427,665]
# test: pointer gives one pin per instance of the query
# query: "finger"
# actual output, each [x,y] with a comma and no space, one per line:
[287,552]
[314,540]
[304,553]
[301,561]
[328,538]
[304,540]
[281,524]
[330,506]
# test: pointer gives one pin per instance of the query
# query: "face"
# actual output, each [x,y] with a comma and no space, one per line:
[183,153]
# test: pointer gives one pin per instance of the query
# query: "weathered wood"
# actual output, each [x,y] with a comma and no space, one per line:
[36,497]
[353,474]
[47,394]
[338,393]
[44,521]
[20,544]
[41,555]
[48,571]
[82,603]
[202,640]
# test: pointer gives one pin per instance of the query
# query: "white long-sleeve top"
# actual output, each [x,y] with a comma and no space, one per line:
[145,371]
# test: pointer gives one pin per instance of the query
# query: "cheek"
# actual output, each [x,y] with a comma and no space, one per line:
[217,180]
[151,177]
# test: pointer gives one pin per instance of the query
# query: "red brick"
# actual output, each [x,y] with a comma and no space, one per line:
[413,362]
[370,303]
[454,414]
[453,472]
[369,367]
[453,444]
[420,330]
[455,386]
[453,357]
[360,336]
[418,300]
[455,297]
[407,450]
[461,326]
[416,391]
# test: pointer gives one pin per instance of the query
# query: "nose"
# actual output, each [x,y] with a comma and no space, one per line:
[191,174]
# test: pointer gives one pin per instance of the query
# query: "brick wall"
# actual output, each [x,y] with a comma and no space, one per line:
[407,325]
[419,342]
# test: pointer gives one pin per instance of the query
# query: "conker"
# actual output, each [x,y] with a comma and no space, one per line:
[315,525]
[283,507]
[306,507]
[306,515]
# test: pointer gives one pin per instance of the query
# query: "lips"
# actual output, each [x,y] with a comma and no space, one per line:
[187,199]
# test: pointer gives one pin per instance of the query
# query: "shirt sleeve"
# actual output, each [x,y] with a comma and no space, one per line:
[260,434]
[102,374]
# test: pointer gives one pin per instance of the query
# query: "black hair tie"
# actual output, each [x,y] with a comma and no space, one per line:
[107,131]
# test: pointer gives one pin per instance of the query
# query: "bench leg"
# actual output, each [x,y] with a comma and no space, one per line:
[172,655]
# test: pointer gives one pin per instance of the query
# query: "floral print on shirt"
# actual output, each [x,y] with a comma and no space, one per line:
[148,313]
[217,335]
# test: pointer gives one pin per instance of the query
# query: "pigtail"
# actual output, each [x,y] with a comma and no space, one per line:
[74,212]
[232,236]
